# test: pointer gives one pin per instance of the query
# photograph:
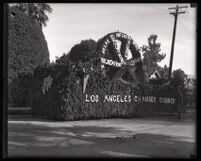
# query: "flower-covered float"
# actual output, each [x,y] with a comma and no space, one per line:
[110,85]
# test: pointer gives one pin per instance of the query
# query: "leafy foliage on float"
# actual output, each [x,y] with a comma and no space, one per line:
[65,99]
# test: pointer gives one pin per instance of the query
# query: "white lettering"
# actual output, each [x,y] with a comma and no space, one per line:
[148,99]
[166,100]
[92,98]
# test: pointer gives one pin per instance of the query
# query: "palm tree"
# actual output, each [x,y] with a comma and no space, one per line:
[36,10]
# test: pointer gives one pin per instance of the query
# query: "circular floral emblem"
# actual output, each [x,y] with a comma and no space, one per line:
[120,58]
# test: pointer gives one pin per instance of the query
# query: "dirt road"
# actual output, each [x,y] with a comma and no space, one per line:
[137,137]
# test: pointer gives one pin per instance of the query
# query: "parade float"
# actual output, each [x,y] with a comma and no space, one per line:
[111,85]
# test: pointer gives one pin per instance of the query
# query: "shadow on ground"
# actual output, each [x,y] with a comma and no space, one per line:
[33,140]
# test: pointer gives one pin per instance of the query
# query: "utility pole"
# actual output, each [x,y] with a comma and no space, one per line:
[175,13]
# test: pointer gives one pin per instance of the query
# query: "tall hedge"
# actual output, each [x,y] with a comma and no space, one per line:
[27,49]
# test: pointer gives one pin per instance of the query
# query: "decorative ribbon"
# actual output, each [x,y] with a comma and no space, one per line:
[47,83]
[85,82]
[119,64]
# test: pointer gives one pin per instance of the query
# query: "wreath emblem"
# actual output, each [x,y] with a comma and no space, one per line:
[120,56]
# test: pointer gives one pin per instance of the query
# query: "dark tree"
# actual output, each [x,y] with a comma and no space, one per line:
[164,72]
[79,55]
[84,51]
[179,77]
[64,60]
[152,54]
[36,10]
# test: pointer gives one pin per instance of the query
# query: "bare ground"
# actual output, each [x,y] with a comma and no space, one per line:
[155,137]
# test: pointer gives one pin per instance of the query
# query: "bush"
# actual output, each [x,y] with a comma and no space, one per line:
[20,90]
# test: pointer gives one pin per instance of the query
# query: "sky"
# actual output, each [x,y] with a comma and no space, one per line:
[70,23]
